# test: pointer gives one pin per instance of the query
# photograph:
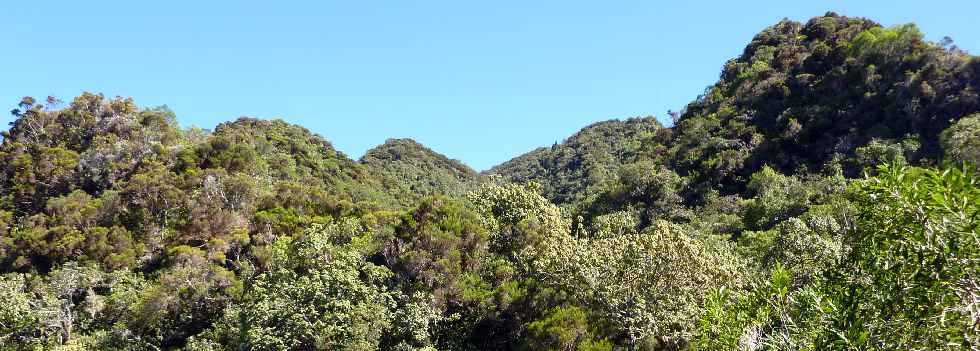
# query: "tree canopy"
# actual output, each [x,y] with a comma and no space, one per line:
[822,194]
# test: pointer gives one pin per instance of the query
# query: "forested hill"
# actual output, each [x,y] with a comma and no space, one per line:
[410,171]
[570,170]
[832,93]
[823,194]
[278,152]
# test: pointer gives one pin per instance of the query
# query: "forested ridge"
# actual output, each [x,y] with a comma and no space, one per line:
[409,171]
[822,194]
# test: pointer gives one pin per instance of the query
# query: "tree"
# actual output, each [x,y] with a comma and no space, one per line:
[565,329]
[651,190]
[775,198]
[962,140]
[318,293]
[186,297]
[153,198]
[18,317]
[521,222]
[650,285]
[909,280]
[441,248]
[772,316]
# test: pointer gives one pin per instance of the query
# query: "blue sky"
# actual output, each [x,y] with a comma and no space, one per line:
[479,82]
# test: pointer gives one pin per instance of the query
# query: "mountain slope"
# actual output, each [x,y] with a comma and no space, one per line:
[834,94]
[804,97]
[409,170]
[286,152]
[120,230]
[571,170]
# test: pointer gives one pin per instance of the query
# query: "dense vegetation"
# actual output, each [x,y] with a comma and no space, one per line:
[821,195]
[571,171]
[410,171]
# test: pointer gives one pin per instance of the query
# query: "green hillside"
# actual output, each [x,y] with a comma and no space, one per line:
[571,170]
[821,195]
[410,171]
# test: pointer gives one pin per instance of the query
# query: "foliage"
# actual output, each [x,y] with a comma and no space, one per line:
[763,218]
[565,328]
[909,280]
[962,140]
[802,95]
[410,171]
[773,316]
[652,191]
[904,281]
[318,293]
[649,285]
[570,171]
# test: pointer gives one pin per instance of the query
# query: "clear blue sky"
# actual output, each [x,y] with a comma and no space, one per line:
[478,82]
